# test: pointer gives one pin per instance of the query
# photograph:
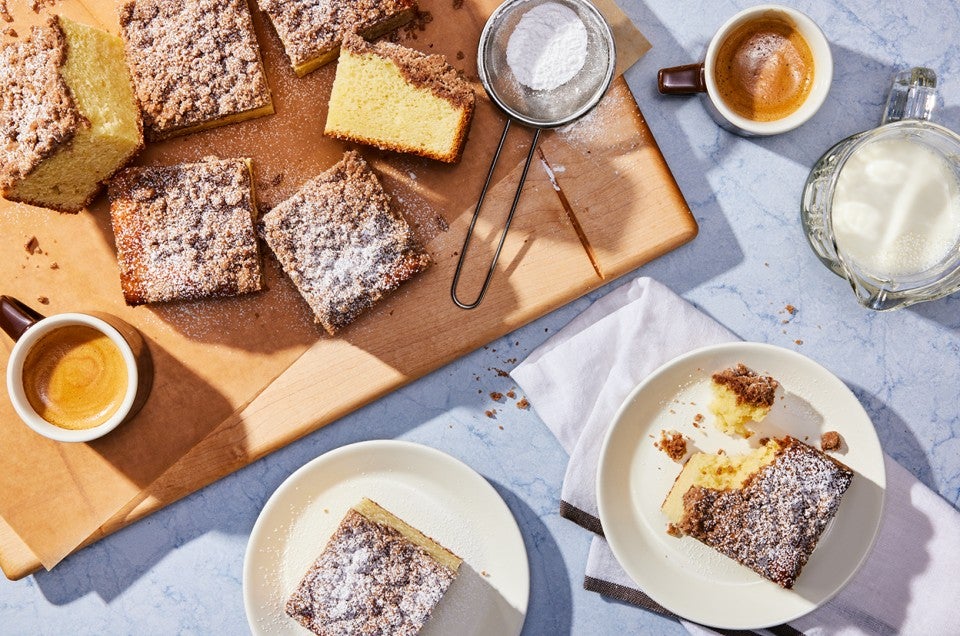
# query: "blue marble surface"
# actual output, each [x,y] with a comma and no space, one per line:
[179,571]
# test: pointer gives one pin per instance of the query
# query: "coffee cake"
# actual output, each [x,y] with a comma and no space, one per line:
[400,99]
[376,575]
[185,232]
[311,30]
[740,396]
[341,243]
[766,510]
[68,118]
[195,64]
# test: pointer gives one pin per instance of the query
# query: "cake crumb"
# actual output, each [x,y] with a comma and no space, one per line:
[496,396]
[54,265]
[512,394]
[522,403]
[790,309]
[830,440]
[490,413]
[500,427]
[673,530]
[673,444]
[10,32]
[32,245]
[43,300]
[763,441]
[798,341]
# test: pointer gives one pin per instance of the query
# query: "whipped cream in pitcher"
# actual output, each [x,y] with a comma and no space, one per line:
[882,208]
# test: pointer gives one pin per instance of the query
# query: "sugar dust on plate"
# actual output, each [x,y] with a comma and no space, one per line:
[548,47]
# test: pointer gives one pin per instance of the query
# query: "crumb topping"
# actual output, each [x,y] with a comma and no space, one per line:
[341,243]
[369,579]
[310,28]
[673,444]
[747,385]
[37,113]
[192,61]
[773,523]
[830,440]
[431,72]
[185,232]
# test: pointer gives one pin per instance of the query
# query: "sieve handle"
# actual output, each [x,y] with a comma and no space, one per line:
[506,226]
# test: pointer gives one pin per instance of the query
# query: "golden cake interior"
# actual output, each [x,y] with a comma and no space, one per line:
[741,395]
[97,76]
[717,472]
[374,101]
[375,514]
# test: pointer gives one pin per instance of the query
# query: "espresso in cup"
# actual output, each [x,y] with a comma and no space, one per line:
[75,377]
[764,69]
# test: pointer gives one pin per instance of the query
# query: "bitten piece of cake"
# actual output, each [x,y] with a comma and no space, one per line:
[68,118]
[740,396]
[341,243]
[311,30]
[396,98]
[376,575]
[195,64]
[185,232]
[766,509]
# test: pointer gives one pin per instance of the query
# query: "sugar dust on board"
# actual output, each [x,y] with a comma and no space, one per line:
[896,209]
[548,47]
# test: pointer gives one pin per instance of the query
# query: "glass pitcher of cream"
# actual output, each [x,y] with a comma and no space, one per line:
[882,207]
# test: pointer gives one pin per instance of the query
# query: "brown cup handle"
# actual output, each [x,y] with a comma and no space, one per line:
[16,317]
[682,80]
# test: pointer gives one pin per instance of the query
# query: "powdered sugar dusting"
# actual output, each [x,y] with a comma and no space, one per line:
[369,579]
[548,47]
[185,232]
[218,75]
[774,522]
[37,112]
[341,244]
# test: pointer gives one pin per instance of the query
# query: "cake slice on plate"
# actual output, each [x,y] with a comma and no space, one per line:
[341,243]
[68,118]
[376,575]
[766,509]
[311,30]
[396,98]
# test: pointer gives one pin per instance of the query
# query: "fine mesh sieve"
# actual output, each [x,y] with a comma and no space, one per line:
[538,109]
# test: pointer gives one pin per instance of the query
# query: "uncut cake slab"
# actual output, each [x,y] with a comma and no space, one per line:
[238,378]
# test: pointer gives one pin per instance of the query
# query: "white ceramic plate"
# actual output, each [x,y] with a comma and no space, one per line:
[439,495]
[687,577]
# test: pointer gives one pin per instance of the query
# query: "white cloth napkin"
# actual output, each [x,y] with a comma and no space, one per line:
[577,380]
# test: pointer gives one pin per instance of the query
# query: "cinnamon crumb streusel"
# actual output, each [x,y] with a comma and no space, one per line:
[185,232]
[194,63]
[341,243]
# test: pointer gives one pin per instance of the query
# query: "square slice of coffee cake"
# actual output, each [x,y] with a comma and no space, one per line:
[185,232]
[195,64]
[341,243]
[376,575]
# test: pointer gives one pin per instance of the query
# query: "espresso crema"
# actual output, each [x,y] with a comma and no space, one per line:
[75,377]
[764,69]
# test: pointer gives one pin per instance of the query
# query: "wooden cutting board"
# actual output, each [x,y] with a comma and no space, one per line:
[606,170]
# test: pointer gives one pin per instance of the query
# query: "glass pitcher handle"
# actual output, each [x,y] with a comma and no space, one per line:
[912,96]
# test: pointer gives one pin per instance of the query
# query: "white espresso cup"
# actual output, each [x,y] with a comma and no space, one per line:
[74,377]
[767,70]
